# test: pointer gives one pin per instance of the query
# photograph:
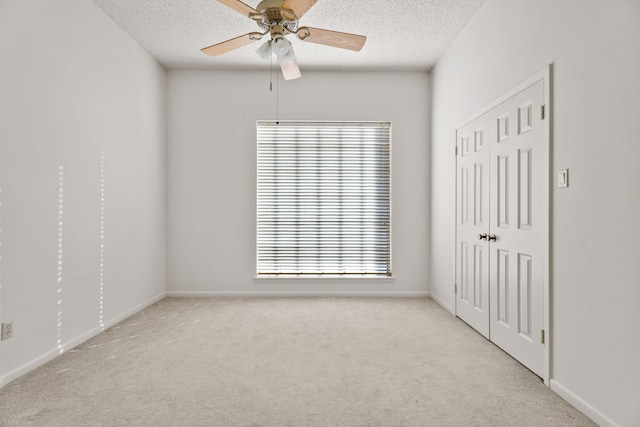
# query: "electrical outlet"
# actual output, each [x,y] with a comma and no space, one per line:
[7,331]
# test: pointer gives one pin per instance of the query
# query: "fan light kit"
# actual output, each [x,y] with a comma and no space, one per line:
[279,18]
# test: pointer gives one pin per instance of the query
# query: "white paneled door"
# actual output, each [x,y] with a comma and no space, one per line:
[472,272]
[502,224]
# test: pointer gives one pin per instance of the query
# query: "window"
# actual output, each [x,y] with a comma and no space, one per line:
[324,198]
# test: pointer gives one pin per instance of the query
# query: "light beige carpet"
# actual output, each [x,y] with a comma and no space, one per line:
[285,362]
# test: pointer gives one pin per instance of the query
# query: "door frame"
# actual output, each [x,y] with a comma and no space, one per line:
[543,75]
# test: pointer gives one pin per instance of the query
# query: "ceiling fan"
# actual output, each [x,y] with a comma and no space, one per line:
[279,18]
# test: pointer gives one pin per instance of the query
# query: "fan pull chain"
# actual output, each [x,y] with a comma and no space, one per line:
[277,88]
[270,73]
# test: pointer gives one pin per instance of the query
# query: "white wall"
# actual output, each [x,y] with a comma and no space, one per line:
[211,174]
[595,50]
[74,85]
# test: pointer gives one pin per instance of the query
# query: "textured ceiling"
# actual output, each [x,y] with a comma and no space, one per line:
[402,34]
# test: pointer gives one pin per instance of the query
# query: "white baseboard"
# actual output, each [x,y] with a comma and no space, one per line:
[443,304]
[582,406]
[330,294]
[68,345]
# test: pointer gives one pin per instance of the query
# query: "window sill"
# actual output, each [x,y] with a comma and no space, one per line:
[324,278]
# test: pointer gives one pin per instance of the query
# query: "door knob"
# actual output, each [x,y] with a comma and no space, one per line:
[482,236]
[492,238]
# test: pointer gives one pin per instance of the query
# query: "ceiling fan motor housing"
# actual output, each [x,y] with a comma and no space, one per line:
[273,15]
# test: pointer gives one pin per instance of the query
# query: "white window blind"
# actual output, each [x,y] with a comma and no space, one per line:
[324,198]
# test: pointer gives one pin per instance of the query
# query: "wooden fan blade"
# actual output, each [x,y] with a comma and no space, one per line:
[290,70]
[229,45]
[237,5]
[331,38]
[299,7]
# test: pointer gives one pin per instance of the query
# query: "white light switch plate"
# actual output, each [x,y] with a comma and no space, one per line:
[563,178]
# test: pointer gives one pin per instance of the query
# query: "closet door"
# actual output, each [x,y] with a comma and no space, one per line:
[472,258]
[502,230]
[518,226]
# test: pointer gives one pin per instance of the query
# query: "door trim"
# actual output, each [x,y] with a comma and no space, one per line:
[543,75]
